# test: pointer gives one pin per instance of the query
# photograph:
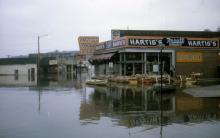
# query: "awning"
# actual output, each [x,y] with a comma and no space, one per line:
[102,57]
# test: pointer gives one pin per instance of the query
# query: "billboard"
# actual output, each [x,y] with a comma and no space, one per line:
[87,44]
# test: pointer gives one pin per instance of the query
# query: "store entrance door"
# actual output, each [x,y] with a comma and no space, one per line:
[138,68]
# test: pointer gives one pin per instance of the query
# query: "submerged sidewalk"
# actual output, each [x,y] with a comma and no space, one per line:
[210,91]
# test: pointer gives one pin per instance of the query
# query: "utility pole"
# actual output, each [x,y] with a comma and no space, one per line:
[38,56]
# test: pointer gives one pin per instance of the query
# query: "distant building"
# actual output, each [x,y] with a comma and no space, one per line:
[18,66]
[57,62]
[87,45]
[51,63]
[19,71]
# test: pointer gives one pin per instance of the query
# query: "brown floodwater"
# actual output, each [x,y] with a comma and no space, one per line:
[66,107]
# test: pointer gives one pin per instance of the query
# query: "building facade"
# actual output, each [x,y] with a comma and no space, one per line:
[18,71]
[139,52]
[51,64]
[87,46]
[18,66]
[57,62]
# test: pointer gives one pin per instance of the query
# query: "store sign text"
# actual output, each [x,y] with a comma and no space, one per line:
[100,46]
[189,57]
[117,43]
[108,44]
[52,62]
[184,42]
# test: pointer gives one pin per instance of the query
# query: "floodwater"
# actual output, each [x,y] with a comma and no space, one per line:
[67,108]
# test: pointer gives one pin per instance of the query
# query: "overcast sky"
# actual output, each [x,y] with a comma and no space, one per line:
[21,21]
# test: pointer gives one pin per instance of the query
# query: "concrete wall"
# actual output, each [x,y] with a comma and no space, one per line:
[22,69]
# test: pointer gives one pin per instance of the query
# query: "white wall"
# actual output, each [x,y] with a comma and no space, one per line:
[22,69]
[21,80]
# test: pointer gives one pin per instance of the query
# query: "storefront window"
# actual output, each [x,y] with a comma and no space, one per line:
[133,56]
[122,56]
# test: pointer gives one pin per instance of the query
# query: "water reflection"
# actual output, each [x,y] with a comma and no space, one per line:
[140,107]
[133,109]
[59,83]
[18,80]
[195,110]
[128,106]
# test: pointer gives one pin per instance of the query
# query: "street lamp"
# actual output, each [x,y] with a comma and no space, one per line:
[161,66]
[162,46]
[38,55]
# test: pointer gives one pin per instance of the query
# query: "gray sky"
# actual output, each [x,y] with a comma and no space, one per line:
[21,21]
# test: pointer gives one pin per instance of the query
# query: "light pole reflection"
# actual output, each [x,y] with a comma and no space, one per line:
[38,70]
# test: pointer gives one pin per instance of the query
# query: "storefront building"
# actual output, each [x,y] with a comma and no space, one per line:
[133,52]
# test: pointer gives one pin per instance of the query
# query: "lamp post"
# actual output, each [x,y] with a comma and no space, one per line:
[161,67]
[161,87]
[38,55]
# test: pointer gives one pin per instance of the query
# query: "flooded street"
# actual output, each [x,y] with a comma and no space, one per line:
[68,108]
